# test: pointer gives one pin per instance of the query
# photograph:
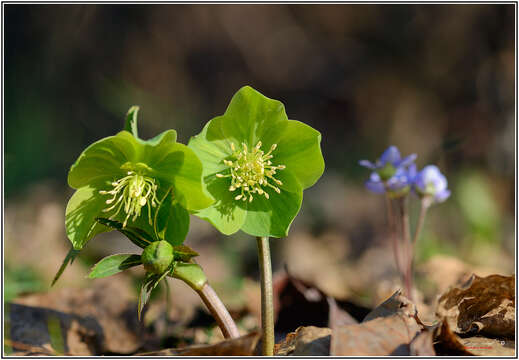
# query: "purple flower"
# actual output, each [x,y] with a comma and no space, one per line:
[396,186]
[432,183]
[389,163]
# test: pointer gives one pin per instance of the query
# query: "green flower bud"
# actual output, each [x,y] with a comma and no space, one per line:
[157,257]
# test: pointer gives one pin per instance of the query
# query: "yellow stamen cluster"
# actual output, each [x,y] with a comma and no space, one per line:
[250,171]
[131,193]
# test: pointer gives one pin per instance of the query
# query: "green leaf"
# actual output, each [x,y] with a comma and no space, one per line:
[184,253]
[192,274]
[114,264]
[149,284]
[102,160]
[300,151]
[69,259]
[137,236]
[131,121]
[272,217]
[80,216]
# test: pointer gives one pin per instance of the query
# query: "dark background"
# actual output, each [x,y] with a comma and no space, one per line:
[436,80]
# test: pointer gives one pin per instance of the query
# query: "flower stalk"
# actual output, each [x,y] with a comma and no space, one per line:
[267,297]
[219,311]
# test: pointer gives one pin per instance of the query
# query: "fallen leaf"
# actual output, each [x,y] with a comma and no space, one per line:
[482,346]
[305,341]
[97,320]
[448,343]
[242,346]
[483,305]
[422,344]
[387,330]
[396,304]
[299,303]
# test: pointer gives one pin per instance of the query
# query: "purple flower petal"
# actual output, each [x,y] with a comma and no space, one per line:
[407,161]
[367,164]
[374,184]
[391,155]
[441,196]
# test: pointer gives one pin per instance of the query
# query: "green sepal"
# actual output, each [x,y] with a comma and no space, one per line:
[184,253]
[272,217]
[190,273]
[114,264]
[69,259]
[299,149]
[137,236]
[249,119]
[83,208]
[171,222]
[131,121]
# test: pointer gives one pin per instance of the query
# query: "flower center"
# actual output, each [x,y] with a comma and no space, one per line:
[251,171]
[132,193]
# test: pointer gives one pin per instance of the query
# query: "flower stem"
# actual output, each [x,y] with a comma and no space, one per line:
[406,235]
[267,297]
[419,226]
[193,275]
[219,312]
[392,231]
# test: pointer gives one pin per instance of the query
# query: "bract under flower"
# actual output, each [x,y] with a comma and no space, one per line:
[256,165]
[124,178]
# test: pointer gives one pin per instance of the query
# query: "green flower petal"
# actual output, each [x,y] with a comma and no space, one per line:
[299,149]
[171,221]
[226,214]
[252,117]
[211,147]
[103,160]
[177,164]
[273,216]
[80,217]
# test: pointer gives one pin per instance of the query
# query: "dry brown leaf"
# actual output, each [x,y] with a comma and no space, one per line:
[422,344]
[242,346]
[483,305]
[337,316]
[387,330]
[305,341]
[93,321]
[396,304]
[482,346]
[448,343]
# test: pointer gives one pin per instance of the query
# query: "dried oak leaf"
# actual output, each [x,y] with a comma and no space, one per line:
[422,344]
[242,346]
[387,330]
[305,341]
[448,343]
[483,305]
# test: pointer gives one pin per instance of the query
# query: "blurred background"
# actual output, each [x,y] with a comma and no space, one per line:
[435,80]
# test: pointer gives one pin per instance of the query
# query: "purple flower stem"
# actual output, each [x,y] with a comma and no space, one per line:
[425,203]
[392,231]
[406,237]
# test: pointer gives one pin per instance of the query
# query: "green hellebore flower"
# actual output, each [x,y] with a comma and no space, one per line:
[256,165]
[126,179]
